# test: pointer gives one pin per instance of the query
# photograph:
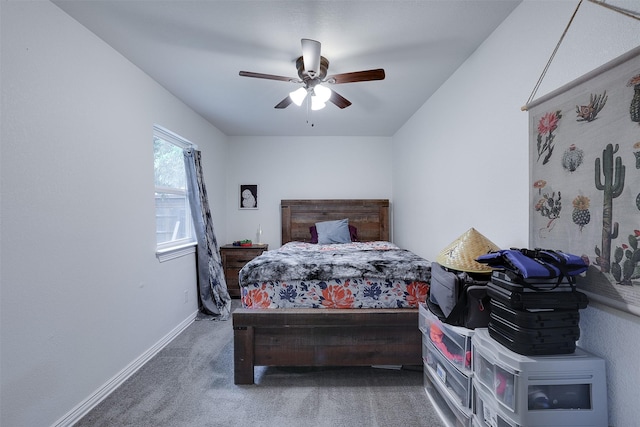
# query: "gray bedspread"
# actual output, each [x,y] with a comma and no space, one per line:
[399,264]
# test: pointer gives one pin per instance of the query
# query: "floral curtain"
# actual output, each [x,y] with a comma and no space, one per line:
[212,287]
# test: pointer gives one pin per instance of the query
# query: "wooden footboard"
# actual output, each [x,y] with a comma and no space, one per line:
[323,337]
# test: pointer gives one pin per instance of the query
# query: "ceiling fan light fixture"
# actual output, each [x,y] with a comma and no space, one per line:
[312,71]
[323,93]
[298,96]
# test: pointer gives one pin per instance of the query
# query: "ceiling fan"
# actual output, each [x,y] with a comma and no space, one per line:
[312,75]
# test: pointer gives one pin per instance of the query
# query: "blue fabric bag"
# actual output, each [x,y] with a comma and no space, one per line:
[568,264]
[535,263]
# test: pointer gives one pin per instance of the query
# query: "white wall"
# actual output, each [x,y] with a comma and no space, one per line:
[301,168]
[82,292]
[461,161]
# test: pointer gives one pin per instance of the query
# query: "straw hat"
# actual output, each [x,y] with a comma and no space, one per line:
[462,253]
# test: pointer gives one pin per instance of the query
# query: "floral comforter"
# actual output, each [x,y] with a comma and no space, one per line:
[350,275]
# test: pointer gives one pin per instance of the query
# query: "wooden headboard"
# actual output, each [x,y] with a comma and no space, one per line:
[370,216]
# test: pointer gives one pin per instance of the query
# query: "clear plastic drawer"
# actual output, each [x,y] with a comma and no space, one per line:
[487,412]
[501,382]
[453,342]
[454,381]
[450,409]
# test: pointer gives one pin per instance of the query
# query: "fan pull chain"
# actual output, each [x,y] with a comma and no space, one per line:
[309,110]
[625,12]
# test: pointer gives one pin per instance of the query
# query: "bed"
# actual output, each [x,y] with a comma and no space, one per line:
[308,331]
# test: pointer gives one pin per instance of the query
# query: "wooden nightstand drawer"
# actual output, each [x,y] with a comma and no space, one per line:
[238,260]
[233,259]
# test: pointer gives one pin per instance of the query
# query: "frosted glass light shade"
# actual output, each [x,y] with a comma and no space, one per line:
[322,92]
[316,103]
[297,96]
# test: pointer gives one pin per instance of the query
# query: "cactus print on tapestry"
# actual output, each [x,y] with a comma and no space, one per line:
[585,178]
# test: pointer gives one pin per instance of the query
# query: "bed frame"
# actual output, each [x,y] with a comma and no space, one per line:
[326,337]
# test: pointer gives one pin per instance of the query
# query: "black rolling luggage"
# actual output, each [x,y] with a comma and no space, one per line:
[512,282]
[535,335]
[535,318]
[534,347]
[522,300]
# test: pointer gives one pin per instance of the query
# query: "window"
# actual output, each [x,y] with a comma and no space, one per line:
[174,229]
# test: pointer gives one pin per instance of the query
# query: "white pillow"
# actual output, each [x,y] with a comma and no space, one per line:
[333,232]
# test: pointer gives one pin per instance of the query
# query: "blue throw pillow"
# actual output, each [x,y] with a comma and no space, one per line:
[353,231]
[333,232]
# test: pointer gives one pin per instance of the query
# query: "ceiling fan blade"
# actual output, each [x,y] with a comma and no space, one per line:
[357,76]
[267,76]
[311,57]
[339,100]
[284,103]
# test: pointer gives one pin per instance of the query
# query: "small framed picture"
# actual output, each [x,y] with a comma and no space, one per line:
[248,196]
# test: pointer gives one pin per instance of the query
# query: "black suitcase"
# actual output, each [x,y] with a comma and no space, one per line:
[520,300]
[538,335]
[512,282]
[531,348]
[535,318]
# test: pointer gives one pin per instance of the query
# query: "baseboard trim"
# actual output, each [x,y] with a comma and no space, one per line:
[110,386]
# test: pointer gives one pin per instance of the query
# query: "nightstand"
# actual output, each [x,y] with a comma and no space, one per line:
[233,259]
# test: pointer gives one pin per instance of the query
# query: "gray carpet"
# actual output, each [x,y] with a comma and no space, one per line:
[190,383]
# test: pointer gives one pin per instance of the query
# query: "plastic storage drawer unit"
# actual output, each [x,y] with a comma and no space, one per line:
[554,390]
[453,342]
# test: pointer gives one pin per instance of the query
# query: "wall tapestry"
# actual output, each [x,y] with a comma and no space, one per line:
[585,178]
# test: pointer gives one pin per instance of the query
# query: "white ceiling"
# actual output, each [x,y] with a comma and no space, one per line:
[195,49]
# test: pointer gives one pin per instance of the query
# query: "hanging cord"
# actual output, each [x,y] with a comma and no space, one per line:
[546,67]
[629,13]
[625,12]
